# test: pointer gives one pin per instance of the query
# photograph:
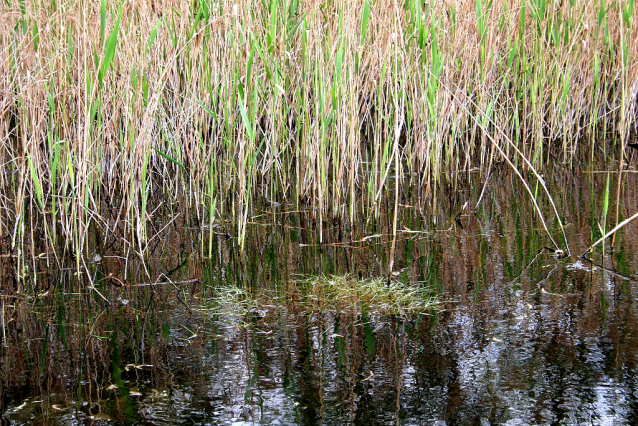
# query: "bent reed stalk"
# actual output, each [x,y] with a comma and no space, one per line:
[112,113]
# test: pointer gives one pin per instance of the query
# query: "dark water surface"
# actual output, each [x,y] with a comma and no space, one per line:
[521,337]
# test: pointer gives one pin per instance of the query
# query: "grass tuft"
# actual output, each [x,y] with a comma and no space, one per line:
[331,294]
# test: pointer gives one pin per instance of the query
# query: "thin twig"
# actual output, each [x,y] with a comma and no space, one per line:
[620,225]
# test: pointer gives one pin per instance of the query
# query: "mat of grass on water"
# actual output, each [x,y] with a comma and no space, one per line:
[329,294]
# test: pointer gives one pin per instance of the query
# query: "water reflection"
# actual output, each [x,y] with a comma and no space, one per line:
[521,338]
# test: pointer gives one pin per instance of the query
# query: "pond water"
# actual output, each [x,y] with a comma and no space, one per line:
[520,336]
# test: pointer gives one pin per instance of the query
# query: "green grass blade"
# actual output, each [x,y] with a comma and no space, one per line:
[364,22]
[109,49]
[169,158]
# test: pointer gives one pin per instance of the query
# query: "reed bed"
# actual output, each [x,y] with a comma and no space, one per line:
[122,115]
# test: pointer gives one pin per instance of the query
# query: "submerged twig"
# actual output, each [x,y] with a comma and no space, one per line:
[595,265]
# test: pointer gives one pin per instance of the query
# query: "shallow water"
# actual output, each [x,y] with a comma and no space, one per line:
[520,336]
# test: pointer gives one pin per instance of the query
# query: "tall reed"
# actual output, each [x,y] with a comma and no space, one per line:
[114,112]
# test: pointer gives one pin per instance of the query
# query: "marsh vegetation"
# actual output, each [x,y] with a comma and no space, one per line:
[124,116]
[318,212]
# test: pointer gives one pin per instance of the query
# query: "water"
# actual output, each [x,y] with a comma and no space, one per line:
[520,336]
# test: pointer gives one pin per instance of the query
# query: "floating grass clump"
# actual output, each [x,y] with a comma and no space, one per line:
[329,294]
[117,115]
[346,293]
